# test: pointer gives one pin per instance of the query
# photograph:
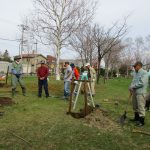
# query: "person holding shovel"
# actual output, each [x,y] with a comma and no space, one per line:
[138,89]
[17,71]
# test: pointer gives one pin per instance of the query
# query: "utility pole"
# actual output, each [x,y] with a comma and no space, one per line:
[23,28]
[36,46]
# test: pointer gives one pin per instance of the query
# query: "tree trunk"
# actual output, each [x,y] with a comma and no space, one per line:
[98,70]
[58,63]
[99,63]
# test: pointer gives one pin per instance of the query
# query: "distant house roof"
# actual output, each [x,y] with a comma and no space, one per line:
[50,58]
[30,55]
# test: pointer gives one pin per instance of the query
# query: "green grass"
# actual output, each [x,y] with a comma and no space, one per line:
[44,125]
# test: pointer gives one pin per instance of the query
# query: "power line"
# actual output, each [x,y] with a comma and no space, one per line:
[5,39]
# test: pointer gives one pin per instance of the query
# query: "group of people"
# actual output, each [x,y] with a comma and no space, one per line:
[42,73]
[138,87]
[72,72]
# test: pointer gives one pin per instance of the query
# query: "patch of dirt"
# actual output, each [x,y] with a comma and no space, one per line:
[100,119]
[2,85]
[4,101]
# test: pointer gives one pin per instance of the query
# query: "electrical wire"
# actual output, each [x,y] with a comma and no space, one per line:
[5,39]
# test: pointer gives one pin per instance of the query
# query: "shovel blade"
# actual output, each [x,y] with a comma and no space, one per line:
[122,119]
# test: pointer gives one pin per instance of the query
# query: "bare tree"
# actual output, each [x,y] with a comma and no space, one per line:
[139,47]
[82,42]
[56,20]
[106,40]
[112,59]
[128,54]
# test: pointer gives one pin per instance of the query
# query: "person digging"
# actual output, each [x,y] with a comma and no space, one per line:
[138,88]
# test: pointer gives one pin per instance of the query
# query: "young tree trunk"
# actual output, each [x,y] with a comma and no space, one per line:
[58,62]
[98,69]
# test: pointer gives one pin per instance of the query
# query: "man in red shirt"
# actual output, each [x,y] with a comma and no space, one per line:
[42,74]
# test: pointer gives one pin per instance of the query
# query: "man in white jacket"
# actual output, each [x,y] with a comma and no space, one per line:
[92,77]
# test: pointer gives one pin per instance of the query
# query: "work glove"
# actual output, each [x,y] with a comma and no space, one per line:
[13,71]
[18,75]
[93,80]
[131,89]
[76,82]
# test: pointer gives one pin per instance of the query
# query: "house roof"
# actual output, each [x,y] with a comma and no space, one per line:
[49,57]
[31,55]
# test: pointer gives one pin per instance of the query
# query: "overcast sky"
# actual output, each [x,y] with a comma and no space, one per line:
[108,12]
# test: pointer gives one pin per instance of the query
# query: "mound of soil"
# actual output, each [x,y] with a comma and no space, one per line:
[4,101]
[100,119]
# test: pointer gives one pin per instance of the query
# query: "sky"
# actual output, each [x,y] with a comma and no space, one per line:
[108,12]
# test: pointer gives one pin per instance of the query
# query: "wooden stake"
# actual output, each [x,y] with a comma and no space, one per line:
[140,131]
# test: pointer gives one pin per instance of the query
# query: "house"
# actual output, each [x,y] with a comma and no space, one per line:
[31,62]
[4,66]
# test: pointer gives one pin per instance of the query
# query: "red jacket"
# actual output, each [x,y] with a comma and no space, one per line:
[42,72]
[76,73]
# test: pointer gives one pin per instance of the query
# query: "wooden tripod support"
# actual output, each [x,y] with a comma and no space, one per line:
[72,102]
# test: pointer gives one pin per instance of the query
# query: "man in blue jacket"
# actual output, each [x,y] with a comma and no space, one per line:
[138,88]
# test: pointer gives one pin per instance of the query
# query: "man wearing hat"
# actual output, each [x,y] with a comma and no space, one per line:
[17,75]
[138,89]
[92,77]
[42,73]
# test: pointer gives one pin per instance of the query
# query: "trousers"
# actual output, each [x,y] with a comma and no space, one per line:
[42,83]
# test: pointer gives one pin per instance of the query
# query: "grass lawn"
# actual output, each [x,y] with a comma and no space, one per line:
[42,124]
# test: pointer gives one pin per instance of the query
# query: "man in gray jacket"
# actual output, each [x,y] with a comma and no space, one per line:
[67,80]
[138,88]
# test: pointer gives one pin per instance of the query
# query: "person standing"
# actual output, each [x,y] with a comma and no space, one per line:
[17,71]
[42,73]
[92,77]
[138,89]
[75,72]
[67,80]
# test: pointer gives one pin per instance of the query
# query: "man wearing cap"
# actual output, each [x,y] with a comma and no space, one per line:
[42,73]
[138,89]
[17,71]
[92,77]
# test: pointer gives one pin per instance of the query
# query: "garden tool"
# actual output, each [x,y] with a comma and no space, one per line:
[124,116]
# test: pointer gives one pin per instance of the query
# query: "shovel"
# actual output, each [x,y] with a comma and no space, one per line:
[124,116]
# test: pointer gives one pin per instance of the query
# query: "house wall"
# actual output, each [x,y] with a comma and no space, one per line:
[30,64]
[4,66]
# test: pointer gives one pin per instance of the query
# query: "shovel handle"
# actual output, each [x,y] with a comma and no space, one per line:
[130,96]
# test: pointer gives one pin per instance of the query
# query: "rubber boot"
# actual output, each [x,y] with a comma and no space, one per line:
[24,91]
[140,122]
[136,117]
[147,105]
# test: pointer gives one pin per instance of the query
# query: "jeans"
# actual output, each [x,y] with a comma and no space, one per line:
[66,88]
[45,84]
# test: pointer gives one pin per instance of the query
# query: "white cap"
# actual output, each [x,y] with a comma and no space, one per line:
[87,64]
